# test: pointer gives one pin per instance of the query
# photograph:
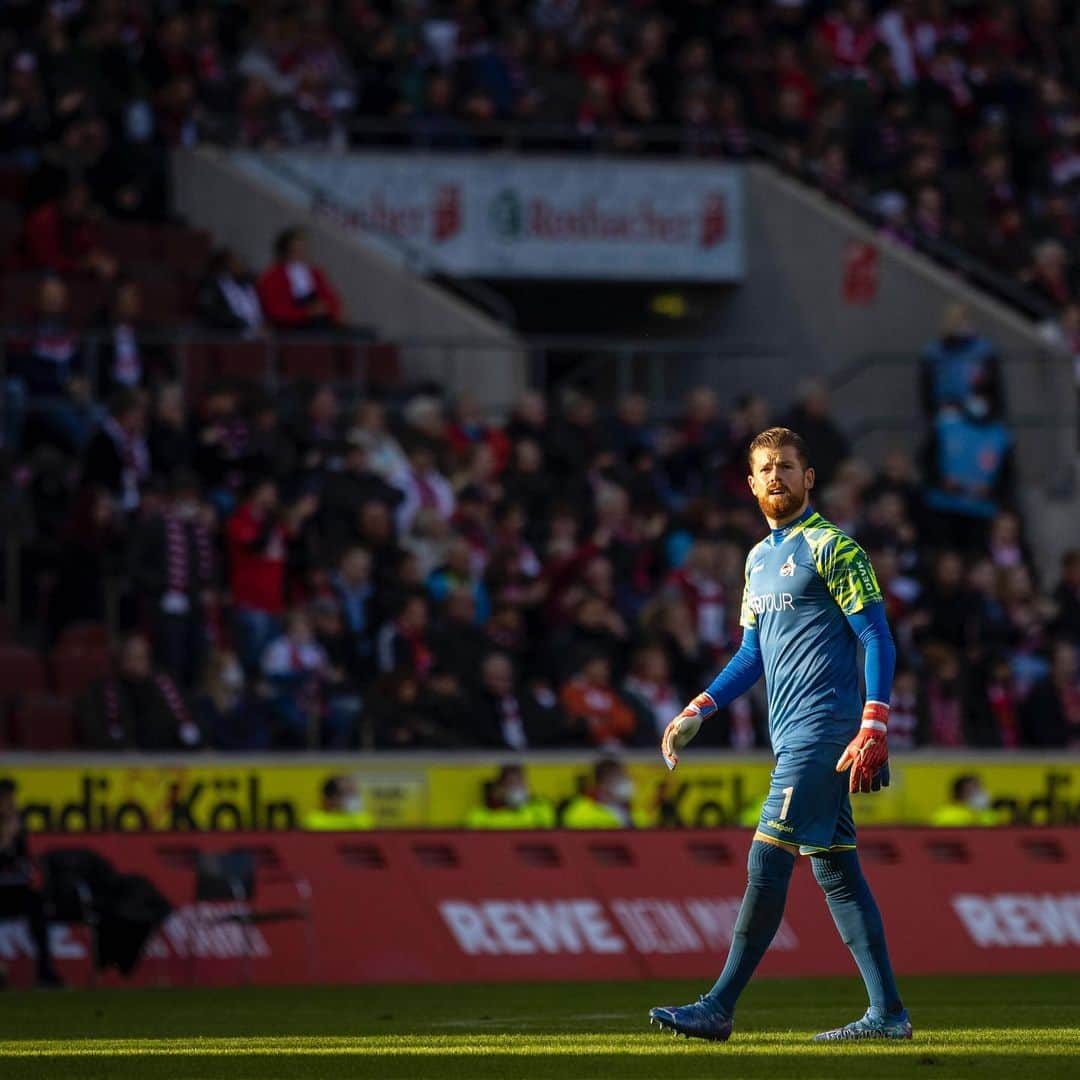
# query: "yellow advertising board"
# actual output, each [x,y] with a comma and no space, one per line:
[417,792]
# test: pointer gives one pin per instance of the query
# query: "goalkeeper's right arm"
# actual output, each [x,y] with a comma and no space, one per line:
[739,674]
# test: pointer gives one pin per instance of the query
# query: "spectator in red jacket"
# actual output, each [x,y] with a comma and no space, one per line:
[62,235]
[296,295]
[257,537]
[848,36]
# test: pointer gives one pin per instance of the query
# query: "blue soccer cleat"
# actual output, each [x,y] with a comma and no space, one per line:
[872,1025]
[701,1020]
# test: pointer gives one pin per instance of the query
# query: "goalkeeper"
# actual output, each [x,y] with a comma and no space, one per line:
[810,595]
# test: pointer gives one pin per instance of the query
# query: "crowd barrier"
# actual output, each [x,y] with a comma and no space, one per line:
[452,906]
[172,793]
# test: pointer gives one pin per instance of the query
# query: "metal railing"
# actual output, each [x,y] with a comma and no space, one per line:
[607,367]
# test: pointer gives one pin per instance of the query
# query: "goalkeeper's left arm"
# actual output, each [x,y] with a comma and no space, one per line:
[738,675]
[867,755]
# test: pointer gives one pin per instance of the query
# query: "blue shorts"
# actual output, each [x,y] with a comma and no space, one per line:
[808,802]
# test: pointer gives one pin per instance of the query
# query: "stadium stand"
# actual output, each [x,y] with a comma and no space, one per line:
[560,536]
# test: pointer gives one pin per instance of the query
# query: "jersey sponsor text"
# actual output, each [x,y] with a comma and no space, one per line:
[783,601]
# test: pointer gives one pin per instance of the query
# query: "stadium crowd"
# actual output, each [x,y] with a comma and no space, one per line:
[410,573]
[958,120]
[311,569]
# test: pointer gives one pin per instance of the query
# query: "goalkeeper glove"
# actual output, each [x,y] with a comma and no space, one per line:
[868,752]
[684,727]
[881,778]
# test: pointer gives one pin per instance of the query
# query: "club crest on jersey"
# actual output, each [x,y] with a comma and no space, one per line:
[788,569]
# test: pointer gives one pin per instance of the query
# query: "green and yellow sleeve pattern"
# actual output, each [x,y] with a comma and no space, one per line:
[845,568]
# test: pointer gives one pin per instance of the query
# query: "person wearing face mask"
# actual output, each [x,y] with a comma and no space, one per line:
[968,466]
[959,363]
[607,804]
[970,805]
[175,569]
[226,710]
[510,804]
[341,809]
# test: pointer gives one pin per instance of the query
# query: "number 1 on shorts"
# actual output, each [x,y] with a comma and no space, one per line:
[787,802]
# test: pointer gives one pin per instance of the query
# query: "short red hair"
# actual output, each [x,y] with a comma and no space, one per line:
[774,438]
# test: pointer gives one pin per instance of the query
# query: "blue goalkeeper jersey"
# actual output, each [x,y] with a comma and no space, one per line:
[801,583]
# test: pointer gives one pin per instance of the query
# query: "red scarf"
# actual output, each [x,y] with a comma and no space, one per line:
[1003,709]
[176,552]
[168,691]
[421,655]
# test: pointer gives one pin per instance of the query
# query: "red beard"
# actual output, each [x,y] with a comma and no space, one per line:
[781,506]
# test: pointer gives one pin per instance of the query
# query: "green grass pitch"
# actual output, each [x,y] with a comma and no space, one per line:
[1020,1027]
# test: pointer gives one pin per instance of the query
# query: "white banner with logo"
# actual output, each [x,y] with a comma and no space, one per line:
[491,216]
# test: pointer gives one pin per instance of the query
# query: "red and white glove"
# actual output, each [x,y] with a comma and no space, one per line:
[869,750]
[684,727]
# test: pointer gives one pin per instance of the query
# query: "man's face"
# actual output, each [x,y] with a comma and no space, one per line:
[128,301]
[52,300]
[133,421]
[422,460]
[533,409]
[461,606]
[515,789]
[498,675]
[414,617]
[356,460]
[7,804]
[950,570]
[136,659]
[617,786]
[458,557]
[346,792]
[1063,665]
[324,406]
[975,795]
[779,482]
[597,672]
[356,567]
[375,521]
[265,497]
[77,201]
